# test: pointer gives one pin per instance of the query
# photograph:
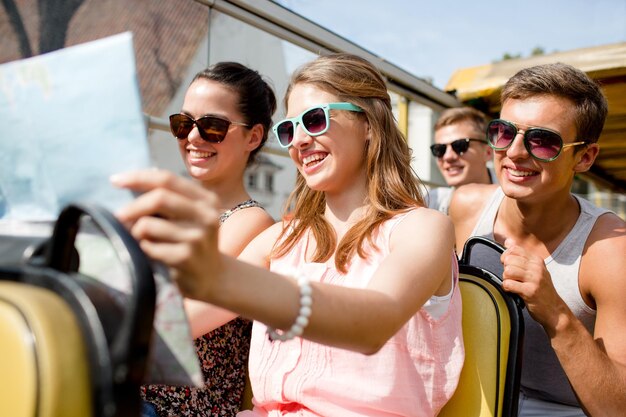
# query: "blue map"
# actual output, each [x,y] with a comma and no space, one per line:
[68,120]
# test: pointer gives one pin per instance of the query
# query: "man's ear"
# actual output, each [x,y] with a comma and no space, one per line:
[488,153]
[256,136]
[586,158]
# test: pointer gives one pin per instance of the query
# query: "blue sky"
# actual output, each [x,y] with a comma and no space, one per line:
[431,39]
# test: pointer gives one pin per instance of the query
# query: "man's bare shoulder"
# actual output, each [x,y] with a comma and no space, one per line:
[607,238]
[604,263]
[471,196]
[465,208]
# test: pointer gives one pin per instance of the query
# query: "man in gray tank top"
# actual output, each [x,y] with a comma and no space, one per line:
[565,257]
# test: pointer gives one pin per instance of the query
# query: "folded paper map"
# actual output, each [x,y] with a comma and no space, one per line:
[68,120]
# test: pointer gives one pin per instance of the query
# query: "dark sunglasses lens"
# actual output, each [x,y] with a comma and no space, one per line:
[284,131]
[438,150]
[543,144]
[460,146]
[500,134]
[180,125]
[213,129]
[314,121]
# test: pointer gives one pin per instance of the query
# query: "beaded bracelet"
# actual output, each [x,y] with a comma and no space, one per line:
[303,314]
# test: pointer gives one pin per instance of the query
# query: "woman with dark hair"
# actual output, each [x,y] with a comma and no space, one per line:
[224,122]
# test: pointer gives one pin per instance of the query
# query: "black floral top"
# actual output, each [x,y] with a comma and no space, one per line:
[223,355]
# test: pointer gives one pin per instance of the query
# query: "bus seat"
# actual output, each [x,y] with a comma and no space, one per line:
[69,348]
[493,332]
[43,360]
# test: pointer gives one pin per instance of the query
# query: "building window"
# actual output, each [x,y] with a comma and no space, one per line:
[269,183]
[252,181]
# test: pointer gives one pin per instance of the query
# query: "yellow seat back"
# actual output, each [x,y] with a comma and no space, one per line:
[67,346]
[493,330]
[44,366]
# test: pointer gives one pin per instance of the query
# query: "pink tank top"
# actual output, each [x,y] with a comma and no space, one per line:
[414,374]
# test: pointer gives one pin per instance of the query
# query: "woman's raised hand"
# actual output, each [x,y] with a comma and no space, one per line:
[175,222]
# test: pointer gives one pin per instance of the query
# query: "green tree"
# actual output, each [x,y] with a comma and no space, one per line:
[506,56]
[537,50]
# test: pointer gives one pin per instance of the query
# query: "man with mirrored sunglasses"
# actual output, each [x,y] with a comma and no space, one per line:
[564,257]
[461,152]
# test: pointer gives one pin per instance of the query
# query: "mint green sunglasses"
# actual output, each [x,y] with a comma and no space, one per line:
[315,121]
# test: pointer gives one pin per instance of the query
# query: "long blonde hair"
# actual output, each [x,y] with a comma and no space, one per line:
[392,185]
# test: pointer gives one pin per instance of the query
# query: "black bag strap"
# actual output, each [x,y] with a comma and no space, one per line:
[466,259]
[466,256]
[130,347]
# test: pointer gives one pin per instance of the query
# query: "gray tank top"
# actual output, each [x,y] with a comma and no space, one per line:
[542,374]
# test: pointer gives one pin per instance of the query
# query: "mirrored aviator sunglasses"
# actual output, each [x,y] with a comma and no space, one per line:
[211,128]
[314,121]
[542,144]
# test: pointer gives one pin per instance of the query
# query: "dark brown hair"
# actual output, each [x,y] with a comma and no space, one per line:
[256,101]
[564,81]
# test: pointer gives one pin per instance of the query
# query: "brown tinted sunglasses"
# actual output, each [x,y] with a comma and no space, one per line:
[211,128]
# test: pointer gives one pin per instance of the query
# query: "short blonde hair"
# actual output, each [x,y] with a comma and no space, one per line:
[461,114]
